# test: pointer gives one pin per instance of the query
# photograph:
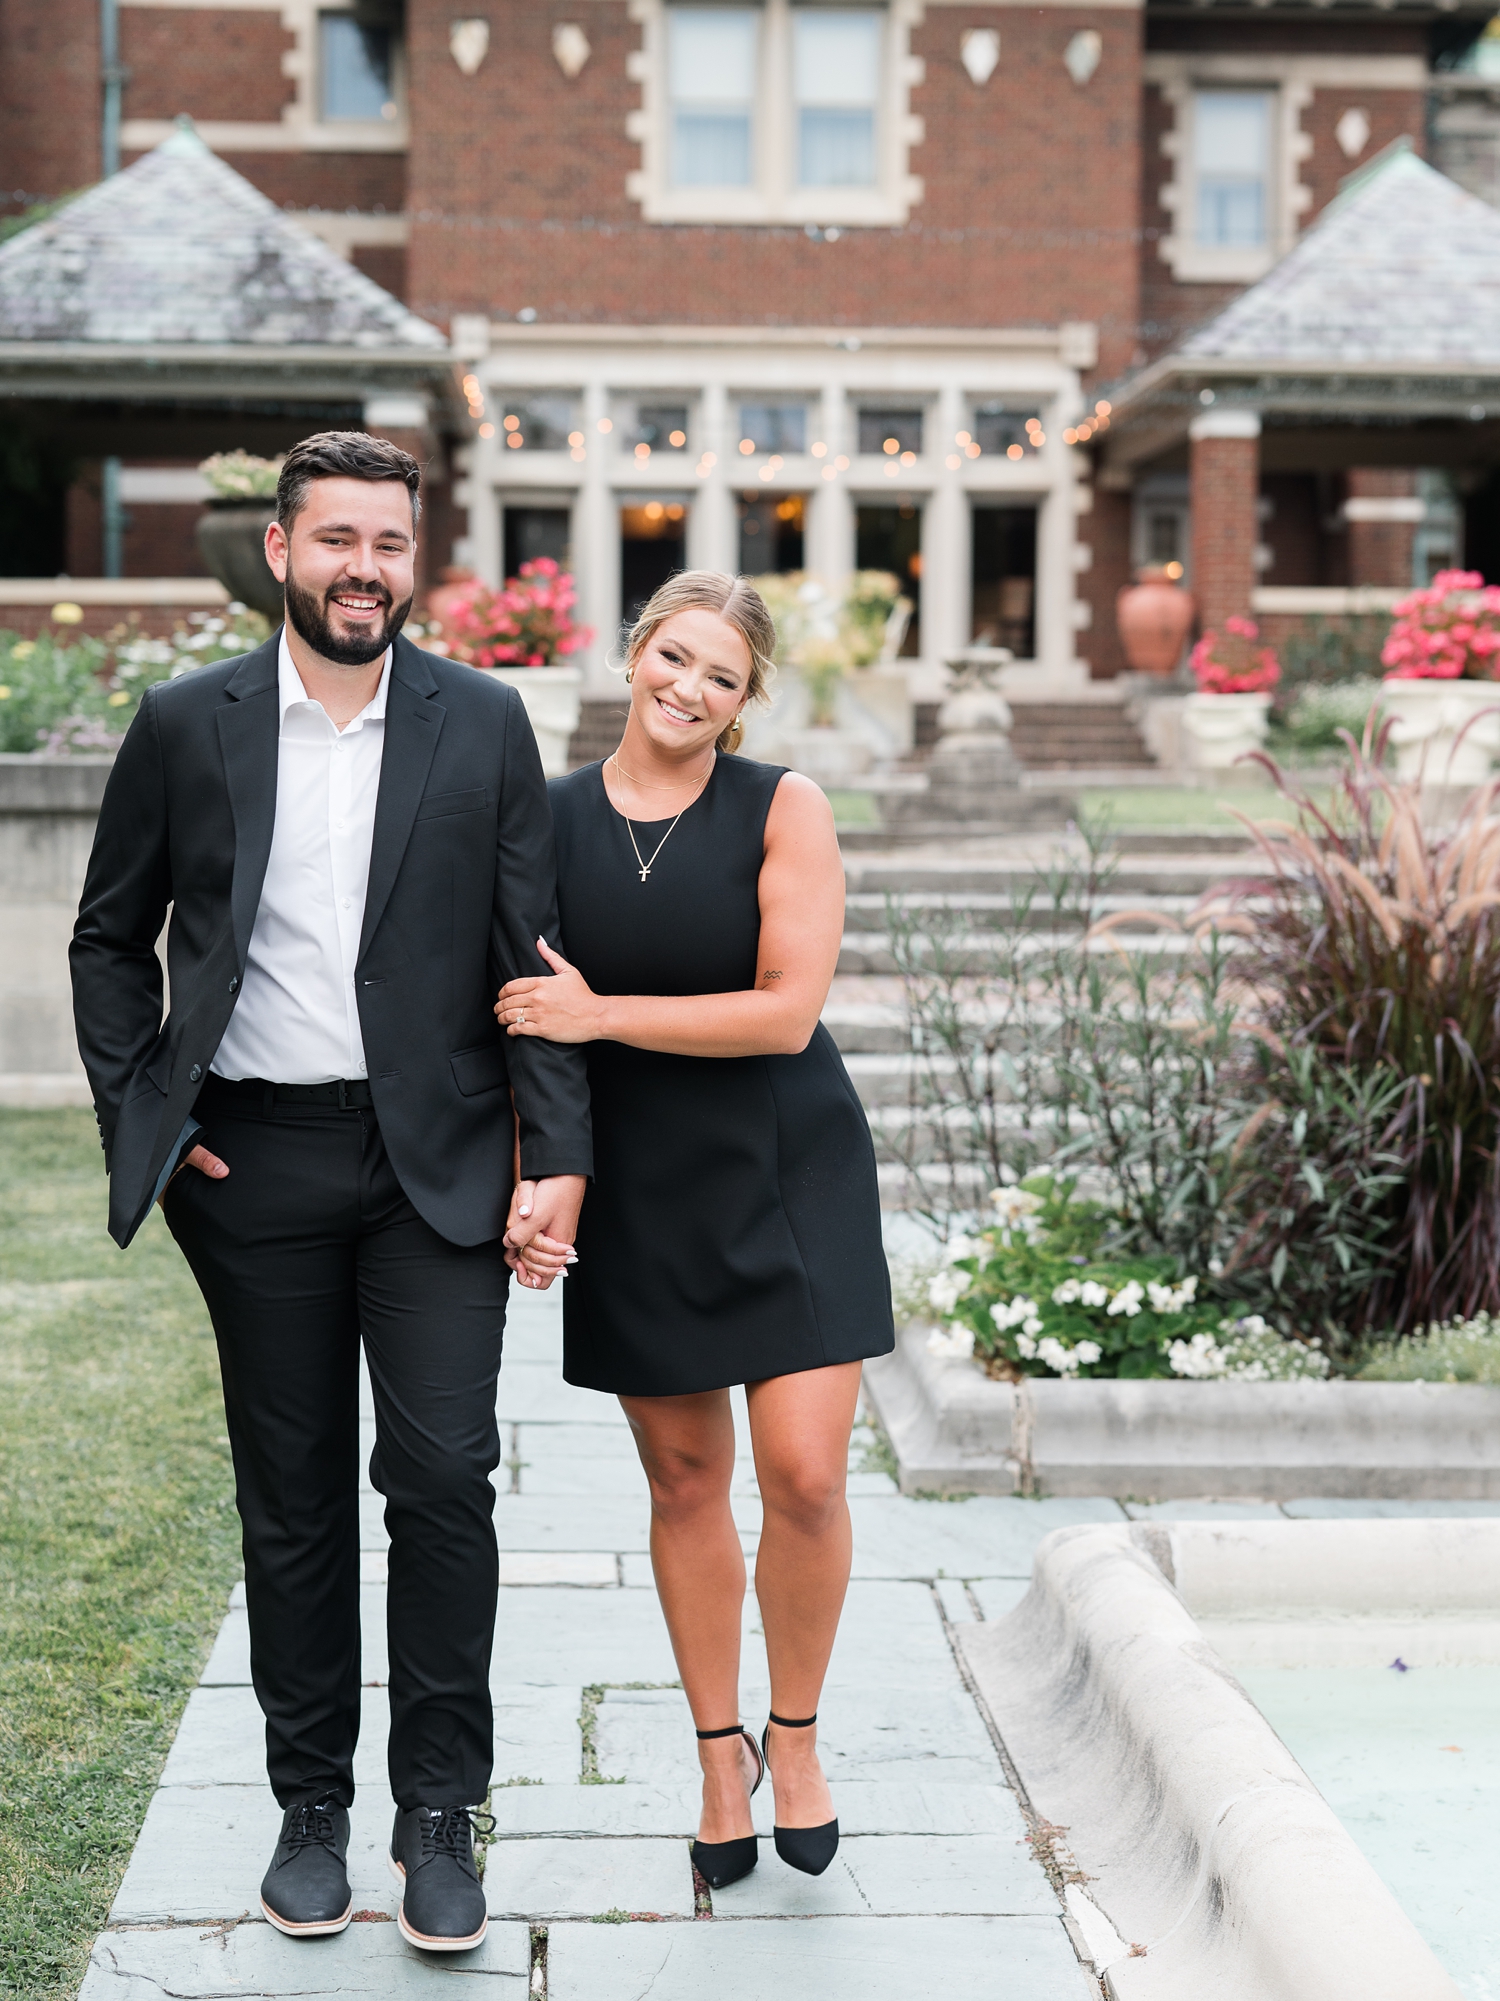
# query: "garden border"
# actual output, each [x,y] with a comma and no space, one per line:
[955,1430]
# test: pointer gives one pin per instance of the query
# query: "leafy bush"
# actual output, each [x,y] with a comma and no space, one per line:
[242,476]
[1321,652]
[1455,1351]
[527,623]
[62,697]
[1319,711]
[1373,950]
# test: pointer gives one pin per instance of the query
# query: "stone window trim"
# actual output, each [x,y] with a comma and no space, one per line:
[300,127]
[773,196]
[1293,81]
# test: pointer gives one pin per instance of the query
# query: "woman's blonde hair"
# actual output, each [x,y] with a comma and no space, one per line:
[738,602]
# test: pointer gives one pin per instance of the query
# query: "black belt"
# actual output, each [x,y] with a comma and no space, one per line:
[348,1094]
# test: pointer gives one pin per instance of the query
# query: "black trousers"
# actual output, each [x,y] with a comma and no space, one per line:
[306,1247]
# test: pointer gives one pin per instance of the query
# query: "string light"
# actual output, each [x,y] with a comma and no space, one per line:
[514,440]
[962,438]
[829,473]
[575,437]
[891,446]
[654,510]
[512,423]
[643,452]
[747,446]
[709,459]
[486,430]
[578,454]
[953,461]
[972,450]
[606,425]
[841,464]
[677,440]
[908,458]
[1014,452]
[1070,437]
[819,450]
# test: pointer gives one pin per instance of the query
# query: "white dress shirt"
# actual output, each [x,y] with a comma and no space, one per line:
[296,1021]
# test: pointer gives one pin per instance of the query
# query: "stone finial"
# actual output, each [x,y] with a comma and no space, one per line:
[570,47]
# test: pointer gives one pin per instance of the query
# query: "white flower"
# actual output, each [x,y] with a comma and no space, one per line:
[1063,1360]
[1088,1352]
[1025,1347]
[960,1248]
[1202,1356]
[1012,1205]
[1018,1313]
[1171,1298]
[1068,1293]
[1092,1293]
[946,1288]
[1127,1300]
[1031,1327]
[954,1342]
[1216,1267]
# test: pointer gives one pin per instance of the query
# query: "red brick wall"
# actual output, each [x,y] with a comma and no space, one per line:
[367,181]
[385,264]
[49,98]
[152,621]
[1380,552]
[215,63]
[518,191]
[1225,529]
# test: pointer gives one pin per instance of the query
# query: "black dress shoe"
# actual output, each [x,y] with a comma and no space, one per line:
[809,1849]
[432,1854]
[306,1889]
[721,1863]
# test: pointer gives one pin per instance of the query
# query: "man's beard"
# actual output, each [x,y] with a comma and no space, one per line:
[308,613]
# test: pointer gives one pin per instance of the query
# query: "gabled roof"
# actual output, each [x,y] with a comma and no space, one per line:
[180,250]
[1401,269]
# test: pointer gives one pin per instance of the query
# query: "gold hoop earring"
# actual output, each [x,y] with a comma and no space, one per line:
[629,676]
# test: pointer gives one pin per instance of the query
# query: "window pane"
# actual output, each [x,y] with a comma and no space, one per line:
[711,82]
[1231,155]
[836,57]
[878,429]
[774,427]
[837,149]
[538,423]
[355,67]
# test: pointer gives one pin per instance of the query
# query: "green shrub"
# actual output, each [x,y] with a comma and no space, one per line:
[1455,1351]
[43,681]
[1310,725]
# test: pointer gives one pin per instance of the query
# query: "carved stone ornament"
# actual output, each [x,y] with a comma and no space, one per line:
[1081,56]
[570,46]
[1353,132]
[469,44]
[979,49]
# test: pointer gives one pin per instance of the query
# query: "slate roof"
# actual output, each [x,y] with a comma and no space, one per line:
[1401,269]
[179,249]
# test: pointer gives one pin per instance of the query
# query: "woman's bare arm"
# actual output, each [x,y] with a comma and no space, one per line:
[801,924]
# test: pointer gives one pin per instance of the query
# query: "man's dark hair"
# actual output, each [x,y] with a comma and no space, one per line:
[343,455]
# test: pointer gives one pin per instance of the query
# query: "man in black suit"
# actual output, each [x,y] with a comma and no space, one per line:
[354,841]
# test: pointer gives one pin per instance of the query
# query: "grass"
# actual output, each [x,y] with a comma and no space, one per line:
[1130,806]
[118,1538]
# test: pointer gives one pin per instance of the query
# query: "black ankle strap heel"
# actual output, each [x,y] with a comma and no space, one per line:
[721,1863]
[809,1849]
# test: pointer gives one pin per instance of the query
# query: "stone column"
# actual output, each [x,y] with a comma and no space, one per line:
[713,541]
[946,540]
[407,421]
[1225,476]
[596,544]
[1382,511]
[829,548]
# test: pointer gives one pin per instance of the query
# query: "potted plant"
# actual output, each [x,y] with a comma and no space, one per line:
[1229,714]
[522,634]
[833,648]
[232,529]
[1440,694]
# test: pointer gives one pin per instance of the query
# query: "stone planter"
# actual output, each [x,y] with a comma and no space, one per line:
[1444,732]
[231,541]
[830,756]
[957,1431]
[553,698]
[1219,729]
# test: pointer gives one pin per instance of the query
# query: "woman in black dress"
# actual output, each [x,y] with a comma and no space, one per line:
[731,1233]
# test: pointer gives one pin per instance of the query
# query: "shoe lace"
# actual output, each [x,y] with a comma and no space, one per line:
[310,1825]
[451,1830]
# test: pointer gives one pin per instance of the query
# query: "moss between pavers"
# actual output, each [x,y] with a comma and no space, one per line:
[118,1538]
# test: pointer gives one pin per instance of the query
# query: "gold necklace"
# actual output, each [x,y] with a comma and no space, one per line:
[645,866]
[614,759]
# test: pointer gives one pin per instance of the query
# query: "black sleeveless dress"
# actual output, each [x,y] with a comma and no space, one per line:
[732,1228]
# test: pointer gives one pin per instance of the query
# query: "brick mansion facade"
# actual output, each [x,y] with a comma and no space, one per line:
[772,286]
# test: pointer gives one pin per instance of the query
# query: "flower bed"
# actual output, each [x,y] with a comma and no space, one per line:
[527,623]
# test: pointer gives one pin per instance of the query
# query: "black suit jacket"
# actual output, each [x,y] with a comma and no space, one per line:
[462,881]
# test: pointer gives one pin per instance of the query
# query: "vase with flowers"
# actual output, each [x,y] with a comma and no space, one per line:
[1441,695]
[1228,716]
[524,633]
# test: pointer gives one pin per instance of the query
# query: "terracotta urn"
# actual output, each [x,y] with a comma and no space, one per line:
[1153,617]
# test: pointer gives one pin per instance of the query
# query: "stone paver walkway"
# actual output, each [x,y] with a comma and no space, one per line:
[596,1793]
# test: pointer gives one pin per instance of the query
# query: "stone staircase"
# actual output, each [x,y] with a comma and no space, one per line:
[1077,736]
[865,1013]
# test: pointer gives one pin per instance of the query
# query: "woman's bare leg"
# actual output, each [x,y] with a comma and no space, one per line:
[799,1427]
[687,1448]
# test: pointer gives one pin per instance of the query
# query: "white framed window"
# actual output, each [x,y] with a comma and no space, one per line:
[711,77]
[787,111]
[357,65]
[836,55]
[1232,143]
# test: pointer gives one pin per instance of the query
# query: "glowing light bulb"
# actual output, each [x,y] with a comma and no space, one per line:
[643,452]
[819,450]
[710,459]
[972,451]
[677,439]
[841,464]
[908,458]
[512,423]
[747,446]
[891,446]
[1014,452]
[829,473]
[654,510]
[486,430]
[1070,437]
[575,437]
[961,438]
[606,425]
[1103,409]
[953,461]
[578,454]
[515,440]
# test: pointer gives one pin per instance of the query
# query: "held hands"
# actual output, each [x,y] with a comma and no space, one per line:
[541,1227]
[562,1008]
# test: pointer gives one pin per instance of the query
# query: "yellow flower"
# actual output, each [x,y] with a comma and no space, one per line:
[4,694]
[119,699]
[23,650]
[67,614]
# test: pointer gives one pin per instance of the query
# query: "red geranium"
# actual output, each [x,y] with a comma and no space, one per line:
[527,623]
[1233,664]
[1449,632]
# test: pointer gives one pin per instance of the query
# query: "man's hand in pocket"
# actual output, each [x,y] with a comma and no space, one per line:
[205,1162]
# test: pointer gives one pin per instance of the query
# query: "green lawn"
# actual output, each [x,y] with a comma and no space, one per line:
[118,1538]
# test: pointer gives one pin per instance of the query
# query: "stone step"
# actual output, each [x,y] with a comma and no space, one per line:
[1189,874]
[1058,736]
[985,910]
[600,725]
[973,952]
